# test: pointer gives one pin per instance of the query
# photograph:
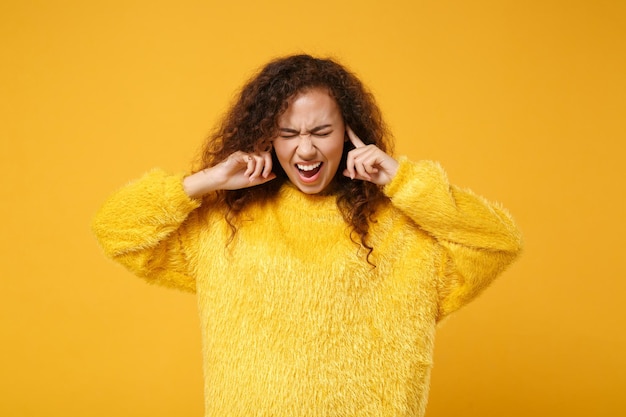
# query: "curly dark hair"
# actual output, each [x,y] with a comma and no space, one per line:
[251,124]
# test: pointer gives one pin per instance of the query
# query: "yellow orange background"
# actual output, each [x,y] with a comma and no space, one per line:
[522,101]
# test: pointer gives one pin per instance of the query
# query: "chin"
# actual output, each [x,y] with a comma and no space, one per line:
[315,188]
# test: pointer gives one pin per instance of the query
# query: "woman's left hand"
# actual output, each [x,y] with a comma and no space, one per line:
[368,162]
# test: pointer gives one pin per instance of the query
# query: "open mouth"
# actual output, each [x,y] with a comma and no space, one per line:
[309,171]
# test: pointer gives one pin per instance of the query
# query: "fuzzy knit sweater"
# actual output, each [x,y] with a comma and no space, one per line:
[295,321]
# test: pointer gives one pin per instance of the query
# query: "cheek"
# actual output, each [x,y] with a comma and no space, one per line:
[281,150]
[335,151]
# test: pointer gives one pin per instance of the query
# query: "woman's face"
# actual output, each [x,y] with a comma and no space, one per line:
[310,141]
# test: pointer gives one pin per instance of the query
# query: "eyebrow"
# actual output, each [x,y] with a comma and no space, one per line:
[314,130]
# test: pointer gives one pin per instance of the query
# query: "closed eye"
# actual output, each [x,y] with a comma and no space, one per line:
[319,132]
[288,133]
[322,131]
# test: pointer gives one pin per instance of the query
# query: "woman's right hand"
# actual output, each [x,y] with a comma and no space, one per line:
[239,170]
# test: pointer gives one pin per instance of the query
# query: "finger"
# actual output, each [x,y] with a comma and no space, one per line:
[358,143]
[371,169]
[355,167]
[370,163]
[261,180]
[267,167]
[371,157]
[357,176]
[249,161]
[350,165]
[356,163]
[361,170]
[258,166]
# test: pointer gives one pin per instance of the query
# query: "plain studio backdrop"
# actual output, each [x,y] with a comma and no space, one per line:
[522,101]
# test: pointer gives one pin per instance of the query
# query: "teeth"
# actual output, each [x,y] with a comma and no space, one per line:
[302,167]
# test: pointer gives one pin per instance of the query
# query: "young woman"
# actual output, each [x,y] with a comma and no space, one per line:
[321,263]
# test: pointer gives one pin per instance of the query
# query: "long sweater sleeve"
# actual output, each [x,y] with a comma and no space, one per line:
[139,227]
[479,238]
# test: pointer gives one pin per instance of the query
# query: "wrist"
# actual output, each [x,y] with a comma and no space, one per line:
[198,184]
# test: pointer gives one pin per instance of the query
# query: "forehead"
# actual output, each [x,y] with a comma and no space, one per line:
[311,106]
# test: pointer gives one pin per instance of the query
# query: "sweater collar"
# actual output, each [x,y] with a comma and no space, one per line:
[292,195]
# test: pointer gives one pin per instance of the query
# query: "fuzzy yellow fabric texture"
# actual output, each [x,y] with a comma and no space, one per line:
[294,321]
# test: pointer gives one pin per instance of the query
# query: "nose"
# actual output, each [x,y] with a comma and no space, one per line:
[306,148]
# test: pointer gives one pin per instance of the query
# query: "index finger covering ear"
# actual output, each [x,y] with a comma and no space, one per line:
[358,143]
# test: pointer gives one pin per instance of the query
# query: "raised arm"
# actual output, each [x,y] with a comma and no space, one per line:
[479,238]
[140,227]
[145,227]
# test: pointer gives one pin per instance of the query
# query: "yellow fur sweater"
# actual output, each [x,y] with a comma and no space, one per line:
[294,321]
